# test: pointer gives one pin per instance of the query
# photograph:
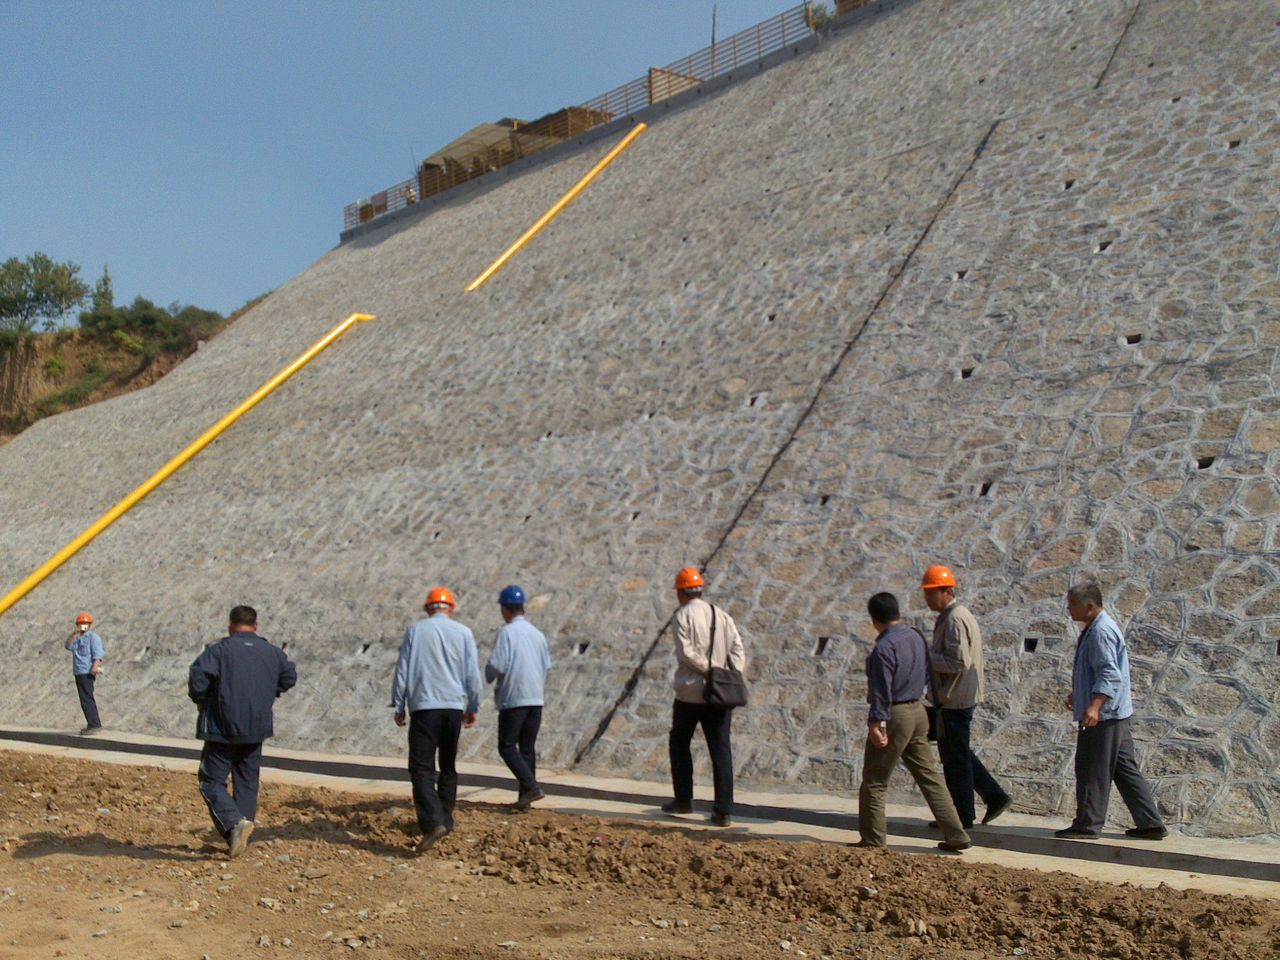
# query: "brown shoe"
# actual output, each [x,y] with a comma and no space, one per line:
[432,837]
[955,847]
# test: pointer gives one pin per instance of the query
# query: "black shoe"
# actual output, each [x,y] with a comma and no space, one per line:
[1075,833]
[721,819]
[1147,833]
[678,806]
[955,847]
[995,809]
[432,837]
[90,730]
[527,799]
[865,845]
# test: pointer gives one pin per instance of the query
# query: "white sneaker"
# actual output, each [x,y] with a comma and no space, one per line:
[239,838]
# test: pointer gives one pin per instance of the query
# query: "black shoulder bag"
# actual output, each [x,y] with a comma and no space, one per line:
[726,686]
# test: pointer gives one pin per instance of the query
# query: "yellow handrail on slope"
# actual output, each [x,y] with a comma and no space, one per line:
[123,507]
[560,204]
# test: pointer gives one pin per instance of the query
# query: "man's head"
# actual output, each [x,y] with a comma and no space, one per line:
[939,586]
[243,619]
[883,610]
[1084,601]
[440,600]
[511,600]
[689,584]
[82,622]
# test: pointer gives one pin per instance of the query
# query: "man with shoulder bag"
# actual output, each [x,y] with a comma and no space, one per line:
[708,685]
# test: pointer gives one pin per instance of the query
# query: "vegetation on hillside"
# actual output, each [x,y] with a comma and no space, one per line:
[114,348]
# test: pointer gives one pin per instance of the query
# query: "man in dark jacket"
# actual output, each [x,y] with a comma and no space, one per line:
[235,683]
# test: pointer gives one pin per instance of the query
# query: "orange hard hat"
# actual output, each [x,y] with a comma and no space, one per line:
[83,618]
[441,595]
[938,576]
[689,579]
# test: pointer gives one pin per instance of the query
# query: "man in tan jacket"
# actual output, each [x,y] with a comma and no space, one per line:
[692,627]
[955,660]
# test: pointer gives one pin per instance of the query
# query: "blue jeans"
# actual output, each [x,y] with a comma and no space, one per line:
[961,768]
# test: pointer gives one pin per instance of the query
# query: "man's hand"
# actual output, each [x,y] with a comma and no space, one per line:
[1071,701]
[877,735]
[400,718]
[468,719]
[1093,715]
[96,668]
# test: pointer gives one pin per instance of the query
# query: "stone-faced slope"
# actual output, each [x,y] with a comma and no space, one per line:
[604,410]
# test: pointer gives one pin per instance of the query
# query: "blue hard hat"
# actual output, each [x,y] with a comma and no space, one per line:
[511,596]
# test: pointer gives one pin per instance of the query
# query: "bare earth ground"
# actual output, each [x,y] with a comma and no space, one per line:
[102,861]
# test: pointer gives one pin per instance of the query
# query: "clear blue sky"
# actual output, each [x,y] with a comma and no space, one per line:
[204,150]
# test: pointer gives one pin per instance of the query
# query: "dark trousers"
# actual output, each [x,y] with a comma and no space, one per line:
[89,706]
[242,762]
[432,733]
[1105,754]
[517,737]
[715,721]
[961,767]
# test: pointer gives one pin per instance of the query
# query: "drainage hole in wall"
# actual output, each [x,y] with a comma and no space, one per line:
[1068,184]
[966,373]
[752,403]
[1204,463]
[1175,99]
[820,647]
[1191,548]
[582,647]
[1102,246]
[1029,644]
[825,498]
[1232,144]
[959,274]
[1133,338]
[635,516]
[986,488]
[769,318]
[436,535]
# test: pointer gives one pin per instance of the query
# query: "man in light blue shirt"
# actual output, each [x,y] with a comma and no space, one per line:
[437,690]
[519,665]
[86,663]
[1101,704]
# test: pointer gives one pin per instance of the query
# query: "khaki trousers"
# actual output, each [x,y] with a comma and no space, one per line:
[908,742]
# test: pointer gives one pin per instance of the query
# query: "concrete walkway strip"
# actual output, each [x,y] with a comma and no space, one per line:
[1250,868]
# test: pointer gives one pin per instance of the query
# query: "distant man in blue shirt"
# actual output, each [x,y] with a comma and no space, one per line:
[235,683]
[519,665]
[1101,704]
[437,690]
[898,728]
[86,664]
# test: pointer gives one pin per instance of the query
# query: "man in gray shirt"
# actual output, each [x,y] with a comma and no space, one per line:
[519,665]
[898,728]
[955,657]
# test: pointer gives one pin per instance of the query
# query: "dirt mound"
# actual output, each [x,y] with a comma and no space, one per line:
[98,860]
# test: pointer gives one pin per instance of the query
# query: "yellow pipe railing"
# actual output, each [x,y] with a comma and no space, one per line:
[559,205]
[123,507]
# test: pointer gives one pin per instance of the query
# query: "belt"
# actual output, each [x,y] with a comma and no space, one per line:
[899,703]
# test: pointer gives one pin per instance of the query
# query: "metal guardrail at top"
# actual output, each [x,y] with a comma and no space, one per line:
[525,139]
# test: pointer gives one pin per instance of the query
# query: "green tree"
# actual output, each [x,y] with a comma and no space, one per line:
[37,289]
[104,297]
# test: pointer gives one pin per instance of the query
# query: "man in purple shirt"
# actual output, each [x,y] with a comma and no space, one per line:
[898,728]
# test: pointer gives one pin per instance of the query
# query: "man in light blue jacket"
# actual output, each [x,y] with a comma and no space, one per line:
[1101,704]
[519,664]
[86,664]
[437,689]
